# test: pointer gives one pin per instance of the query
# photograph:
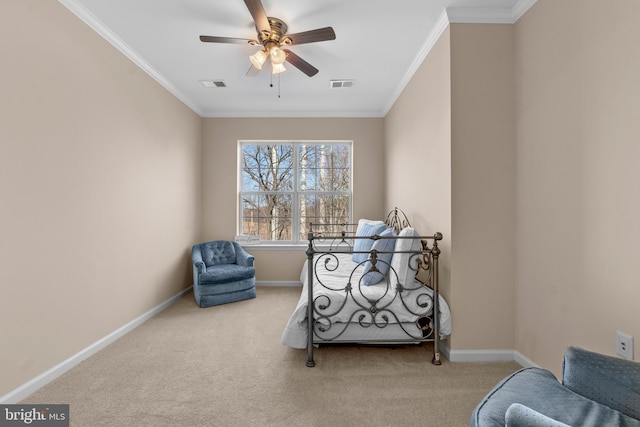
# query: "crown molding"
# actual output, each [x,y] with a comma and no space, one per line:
[470,15]
[448,16]
[364,114]
[441,24]
[98,26]
[521,8]
[459,15]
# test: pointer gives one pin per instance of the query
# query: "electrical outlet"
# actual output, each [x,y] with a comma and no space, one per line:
[624,345]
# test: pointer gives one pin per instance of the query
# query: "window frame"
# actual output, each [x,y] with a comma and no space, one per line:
[297,240]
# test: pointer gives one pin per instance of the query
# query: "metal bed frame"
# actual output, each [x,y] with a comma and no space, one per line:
[372,312]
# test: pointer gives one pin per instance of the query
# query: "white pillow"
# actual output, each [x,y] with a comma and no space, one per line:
[400,262]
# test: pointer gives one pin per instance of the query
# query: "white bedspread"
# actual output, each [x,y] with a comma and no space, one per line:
[295,332]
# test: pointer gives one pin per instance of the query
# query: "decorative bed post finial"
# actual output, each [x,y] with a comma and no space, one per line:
[435,250]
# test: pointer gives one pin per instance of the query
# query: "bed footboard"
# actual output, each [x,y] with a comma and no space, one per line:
[343,308]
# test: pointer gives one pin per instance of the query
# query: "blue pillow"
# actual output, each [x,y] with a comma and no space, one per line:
[366,228]
[381,245]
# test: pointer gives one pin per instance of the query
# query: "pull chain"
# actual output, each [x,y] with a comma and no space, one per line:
[271,84]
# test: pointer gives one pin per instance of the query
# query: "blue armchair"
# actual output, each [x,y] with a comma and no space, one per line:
[596,391]
[222,273]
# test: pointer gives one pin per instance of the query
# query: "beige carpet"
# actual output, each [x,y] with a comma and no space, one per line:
[225,366]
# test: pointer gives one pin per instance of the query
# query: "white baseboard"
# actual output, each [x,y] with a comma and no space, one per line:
[290,284]
[46,377]
[487,356]
[481,355]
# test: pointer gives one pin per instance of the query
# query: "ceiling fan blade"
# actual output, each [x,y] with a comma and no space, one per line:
[300,63]
[214,39]
[253,71]
[312,36]
[259,15]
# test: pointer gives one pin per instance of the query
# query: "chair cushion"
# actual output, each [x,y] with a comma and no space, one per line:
[609,380]
[539,390]
[218,252]
[522,416]
[219,274]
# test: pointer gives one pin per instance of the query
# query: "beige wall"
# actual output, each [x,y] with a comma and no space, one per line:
[418,152]
[454,124]
[99,187]
[483,186]
[577,155]
[219,164]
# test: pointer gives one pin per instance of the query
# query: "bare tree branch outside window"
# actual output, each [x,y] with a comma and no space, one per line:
[286,186]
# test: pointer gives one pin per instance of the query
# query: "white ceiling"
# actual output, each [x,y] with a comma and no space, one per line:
[379,44]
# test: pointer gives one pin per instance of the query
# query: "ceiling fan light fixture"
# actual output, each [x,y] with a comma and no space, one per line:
[277,68]
[278,56]
[272,35]
[258,59]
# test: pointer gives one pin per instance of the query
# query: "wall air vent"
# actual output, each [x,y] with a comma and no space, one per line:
[339,84]
[213,83]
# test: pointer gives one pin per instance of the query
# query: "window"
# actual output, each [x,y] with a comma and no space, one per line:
[286,185]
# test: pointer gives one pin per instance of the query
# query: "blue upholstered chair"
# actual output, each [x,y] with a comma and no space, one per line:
[222,272]
[596,391]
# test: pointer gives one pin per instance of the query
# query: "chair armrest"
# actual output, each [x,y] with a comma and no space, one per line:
[519,415]
[199,266]
[608,380]
[242,257]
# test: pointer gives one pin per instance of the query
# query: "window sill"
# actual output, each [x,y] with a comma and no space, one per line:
[287,247]
[274,246]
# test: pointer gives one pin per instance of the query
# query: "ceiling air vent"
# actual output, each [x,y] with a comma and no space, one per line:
[213,83]
[339,84]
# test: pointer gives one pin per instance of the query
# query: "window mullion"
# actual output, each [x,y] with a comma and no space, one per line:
[295,209]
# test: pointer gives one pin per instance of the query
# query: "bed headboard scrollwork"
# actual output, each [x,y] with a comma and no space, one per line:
[397,219]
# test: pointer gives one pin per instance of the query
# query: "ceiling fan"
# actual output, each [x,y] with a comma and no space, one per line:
[273,37]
